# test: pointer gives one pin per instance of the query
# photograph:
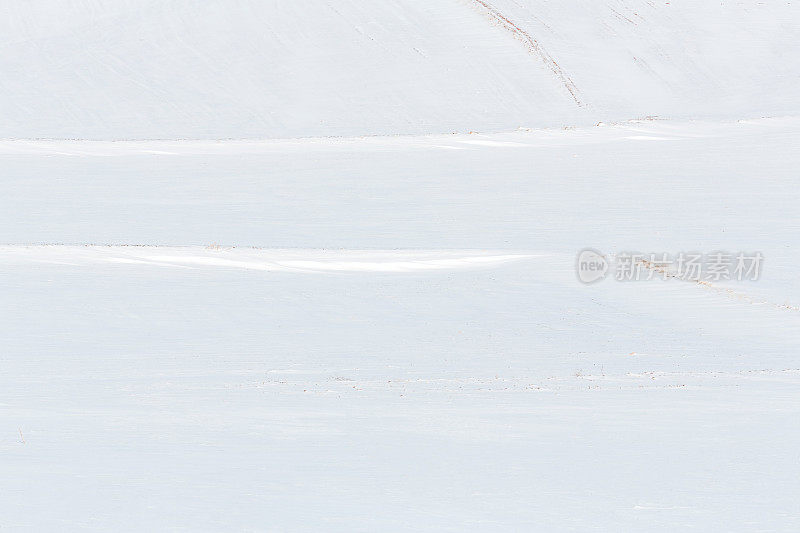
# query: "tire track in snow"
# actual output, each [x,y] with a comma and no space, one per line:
[533,47]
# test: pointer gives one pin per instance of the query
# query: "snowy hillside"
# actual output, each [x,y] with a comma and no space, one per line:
[309,265]
[109,69]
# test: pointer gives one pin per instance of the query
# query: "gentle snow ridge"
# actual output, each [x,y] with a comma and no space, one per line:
[294,260]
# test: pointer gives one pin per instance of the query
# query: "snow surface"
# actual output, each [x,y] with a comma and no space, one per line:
[408,346]
[144,69]
[219,317]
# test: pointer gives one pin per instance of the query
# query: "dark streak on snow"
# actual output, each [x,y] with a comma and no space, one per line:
[533,46]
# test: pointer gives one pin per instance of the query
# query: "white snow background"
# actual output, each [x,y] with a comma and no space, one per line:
[309,265]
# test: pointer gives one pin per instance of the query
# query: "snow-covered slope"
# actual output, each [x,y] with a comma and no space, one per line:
[214,69]
[395,381]
[389,333]
[110,69]
[675,59]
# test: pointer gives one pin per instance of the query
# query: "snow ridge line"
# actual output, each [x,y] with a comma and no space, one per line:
[533,46]
[267,260]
